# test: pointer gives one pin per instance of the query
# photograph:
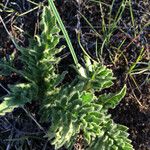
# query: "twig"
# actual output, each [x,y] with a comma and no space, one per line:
[28,113]
[12,38]
[5,88]
[6,4]
[135,97]
[9,143]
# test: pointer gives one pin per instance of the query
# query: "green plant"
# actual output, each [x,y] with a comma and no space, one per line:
[38,70]
[77,109]
[72,108]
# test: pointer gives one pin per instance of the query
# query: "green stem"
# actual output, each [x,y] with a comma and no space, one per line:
[53,7]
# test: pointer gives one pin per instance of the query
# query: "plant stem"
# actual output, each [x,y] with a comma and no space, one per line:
[56,14]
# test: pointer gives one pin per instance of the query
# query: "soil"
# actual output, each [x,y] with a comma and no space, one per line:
[133,111]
